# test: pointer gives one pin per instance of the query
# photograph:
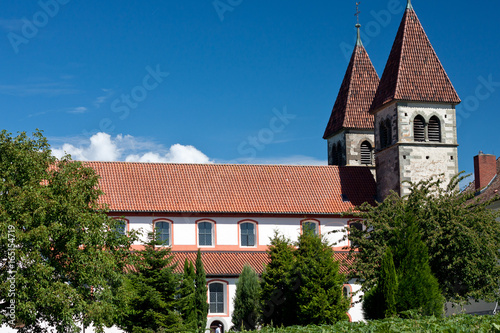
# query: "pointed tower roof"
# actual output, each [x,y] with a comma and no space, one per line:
[413,71]
[356,93]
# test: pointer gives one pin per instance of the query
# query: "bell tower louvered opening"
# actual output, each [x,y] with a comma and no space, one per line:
[434,129]
[419,129]
[366,153]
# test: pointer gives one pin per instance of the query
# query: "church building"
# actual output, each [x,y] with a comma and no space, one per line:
[381,133]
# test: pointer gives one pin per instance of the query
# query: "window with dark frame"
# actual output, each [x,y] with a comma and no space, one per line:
[205,234]
[383,135]
[247,234]
[216,301]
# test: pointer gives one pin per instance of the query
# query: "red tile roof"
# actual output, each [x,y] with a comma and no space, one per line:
[232,263]
[413,71]
[212,188]
[355,95]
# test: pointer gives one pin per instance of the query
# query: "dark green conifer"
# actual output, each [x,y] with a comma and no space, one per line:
[200,297]
[246,303]
[186,303]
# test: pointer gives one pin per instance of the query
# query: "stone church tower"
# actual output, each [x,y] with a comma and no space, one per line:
[349,132]
[403,125]
[414,110]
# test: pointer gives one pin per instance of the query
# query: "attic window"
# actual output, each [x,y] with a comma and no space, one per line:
[434,129]
[345,198]
[419,129]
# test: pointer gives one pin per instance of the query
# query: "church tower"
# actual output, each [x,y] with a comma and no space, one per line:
[414,110]
[350,129]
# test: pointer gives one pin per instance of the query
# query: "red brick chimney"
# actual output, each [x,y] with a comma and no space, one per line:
[485,169]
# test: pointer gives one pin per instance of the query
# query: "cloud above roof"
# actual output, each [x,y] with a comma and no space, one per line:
[103,147]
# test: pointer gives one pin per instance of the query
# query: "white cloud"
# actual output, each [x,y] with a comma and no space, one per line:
[102,147]
[102,99]
[78,110]
[176,154]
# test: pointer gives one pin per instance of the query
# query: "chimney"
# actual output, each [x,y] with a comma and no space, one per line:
[485,169]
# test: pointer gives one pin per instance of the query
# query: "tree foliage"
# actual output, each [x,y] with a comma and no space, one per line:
[154,288]
[279,284]
[200,295]
[389,283]
[246,302]
[187,306]
[302,284]
[461,235]
[63,263]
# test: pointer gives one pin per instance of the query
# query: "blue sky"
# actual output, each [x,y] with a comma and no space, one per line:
[223,81]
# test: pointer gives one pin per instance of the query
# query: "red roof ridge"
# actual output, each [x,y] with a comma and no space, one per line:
[413,71]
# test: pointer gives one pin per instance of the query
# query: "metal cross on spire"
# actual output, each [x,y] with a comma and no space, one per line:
[357,11]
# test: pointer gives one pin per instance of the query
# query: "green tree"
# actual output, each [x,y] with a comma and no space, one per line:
[187,296]
[279,284]
[389,283]
[154,288]
[418,289]
[200,295]
[319,298]
[461,235]
[63,263]
[246,302]
[301,285]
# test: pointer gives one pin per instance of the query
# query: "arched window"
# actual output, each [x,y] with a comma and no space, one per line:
[205,234]
[310,226]
[419,129]
[247,234]
[216,297]
[366,153]
[162,230]
[434,129]
[383,135]
[335,156]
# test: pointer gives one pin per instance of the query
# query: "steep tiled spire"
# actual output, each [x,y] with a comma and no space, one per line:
[413,71]
[356,93]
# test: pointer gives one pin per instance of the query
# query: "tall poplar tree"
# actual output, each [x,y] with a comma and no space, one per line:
[200,298]
[187,305]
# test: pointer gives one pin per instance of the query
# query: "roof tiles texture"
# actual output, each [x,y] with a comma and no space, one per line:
[232,263]
[413,71]
[215,188]
[355,95]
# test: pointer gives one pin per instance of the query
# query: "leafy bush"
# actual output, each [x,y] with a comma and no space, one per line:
[454,324]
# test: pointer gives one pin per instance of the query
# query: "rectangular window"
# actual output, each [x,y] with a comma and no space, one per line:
[310,227]
[216,298]
[205,234]
[247,231]
[121,227]
[163,232]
